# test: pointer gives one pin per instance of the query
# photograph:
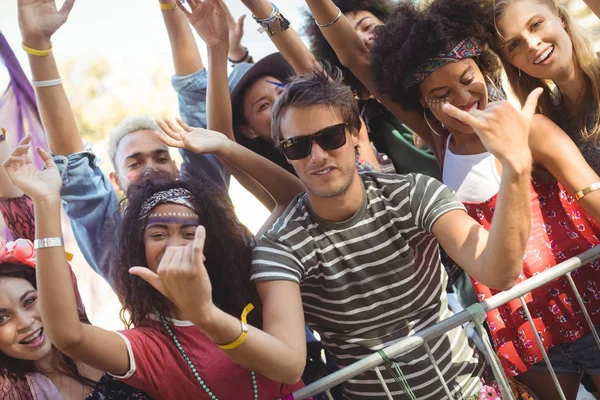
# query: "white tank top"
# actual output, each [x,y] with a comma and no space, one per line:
[473,177]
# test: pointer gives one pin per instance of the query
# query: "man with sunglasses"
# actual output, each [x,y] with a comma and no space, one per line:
[359,253]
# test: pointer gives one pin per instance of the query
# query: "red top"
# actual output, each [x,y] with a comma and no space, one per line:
[158,368]
[560,229]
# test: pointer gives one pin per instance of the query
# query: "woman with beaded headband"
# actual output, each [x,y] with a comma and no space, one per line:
[540,44]
[30,366]
[440,71]
[162,353]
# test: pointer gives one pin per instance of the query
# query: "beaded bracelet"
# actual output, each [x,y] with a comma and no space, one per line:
[266,23]
[244,333]
[241,59]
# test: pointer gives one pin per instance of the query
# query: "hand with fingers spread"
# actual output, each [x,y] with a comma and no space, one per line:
[38,185]
[198,140]
[503,129]
[209,19]
[182,278]
[40,19]
[236,32]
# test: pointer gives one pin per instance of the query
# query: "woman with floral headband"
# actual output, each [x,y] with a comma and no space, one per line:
[164,355]
[441,72]
[30,366]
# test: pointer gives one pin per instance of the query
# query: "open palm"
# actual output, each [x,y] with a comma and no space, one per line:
[36,184]
[40,19]
[198,140]
[209,19]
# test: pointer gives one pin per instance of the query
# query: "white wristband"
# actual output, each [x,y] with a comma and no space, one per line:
[48,242]
[53,82]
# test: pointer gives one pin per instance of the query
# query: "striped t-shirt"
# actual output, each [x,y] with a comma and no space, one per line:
[373,279]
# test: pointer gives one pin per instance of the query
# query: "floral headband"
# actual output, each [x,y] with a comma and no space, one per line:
[18,252]
[453,51]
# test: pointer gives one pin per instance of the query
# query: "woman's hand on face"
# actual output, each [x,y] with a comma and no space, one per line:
[198,140]
[182,278]
[40,19]
[38,185]
[503,129]
[209,19]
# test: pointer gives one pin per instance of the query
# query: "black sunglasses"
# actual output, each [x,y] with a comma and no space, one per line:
[330,138]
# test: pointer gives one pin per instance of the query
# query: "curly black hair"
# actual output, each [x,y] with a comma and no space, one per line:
[324,52]
[13,381]
[412,35]
[227,249]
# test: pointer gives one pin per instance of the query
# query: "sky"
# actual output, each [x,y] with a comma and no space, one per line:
[128,33]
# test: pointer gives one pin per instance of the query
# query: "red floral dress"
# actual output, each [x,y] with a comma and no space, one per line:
[560,230]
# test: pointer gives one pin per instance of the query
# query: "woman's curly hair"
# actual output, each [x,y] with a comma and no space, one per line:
[411,35]
[228,248]
[324,52]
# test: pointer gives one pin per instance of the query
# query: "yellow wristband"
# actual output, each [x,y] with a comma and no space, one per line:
[37,53]
[167,7]
[244,333]
[587,190]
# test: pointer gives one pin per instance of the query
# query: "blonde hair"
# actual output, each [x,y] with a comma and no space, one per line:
[126,126]
[584,57]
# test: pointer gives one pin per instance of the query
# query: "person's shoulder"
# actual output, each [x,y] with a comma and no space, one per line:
[295,216]
[385,181]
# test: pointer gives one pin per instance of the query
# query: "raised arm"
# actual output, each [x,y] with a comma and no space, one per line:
[353,54]
[567,165]
[210,21]
[496,258]
[277,182]
[287,40]
[38,21]
[7,189]
[94,346]
[594,5]
[184,50]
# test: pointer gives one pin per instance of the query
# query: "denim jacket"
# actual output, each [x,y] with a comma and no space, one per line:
[88,196]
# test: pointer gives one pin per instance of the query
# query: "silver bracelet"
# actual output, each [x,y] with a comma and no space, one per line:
[53,82]
[266,23]
[339,15]
[48,242]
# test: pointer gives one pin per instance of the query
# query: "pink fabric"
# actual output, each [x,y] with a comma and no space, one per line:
[162,373]
[19,218]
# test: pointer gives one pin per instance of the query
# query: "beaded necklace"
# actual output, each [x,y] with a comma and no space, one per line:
[193,367]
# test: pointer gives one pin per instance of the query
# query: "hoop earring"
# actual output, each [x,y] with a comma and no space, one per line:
[499,94]
[428,124]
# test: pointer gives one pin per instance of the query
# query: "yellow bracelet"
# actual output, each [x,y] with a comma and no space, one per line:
[37,53]
[168,7]
[244,333]
[587,190]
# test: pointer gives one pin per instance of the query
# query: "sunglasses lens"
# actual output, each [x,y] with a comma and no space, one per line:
[332,138]
[298,150]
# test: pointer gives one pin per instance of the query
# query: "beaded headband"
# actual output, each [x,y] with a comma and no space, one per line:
[453,51]
[174,196]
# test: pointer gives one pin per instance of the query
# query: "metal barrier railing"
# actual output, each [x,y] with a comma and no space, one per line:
[475,314]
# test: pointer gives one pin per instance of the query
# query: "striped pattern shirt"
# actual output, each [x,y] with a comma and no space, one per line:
[373,279]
